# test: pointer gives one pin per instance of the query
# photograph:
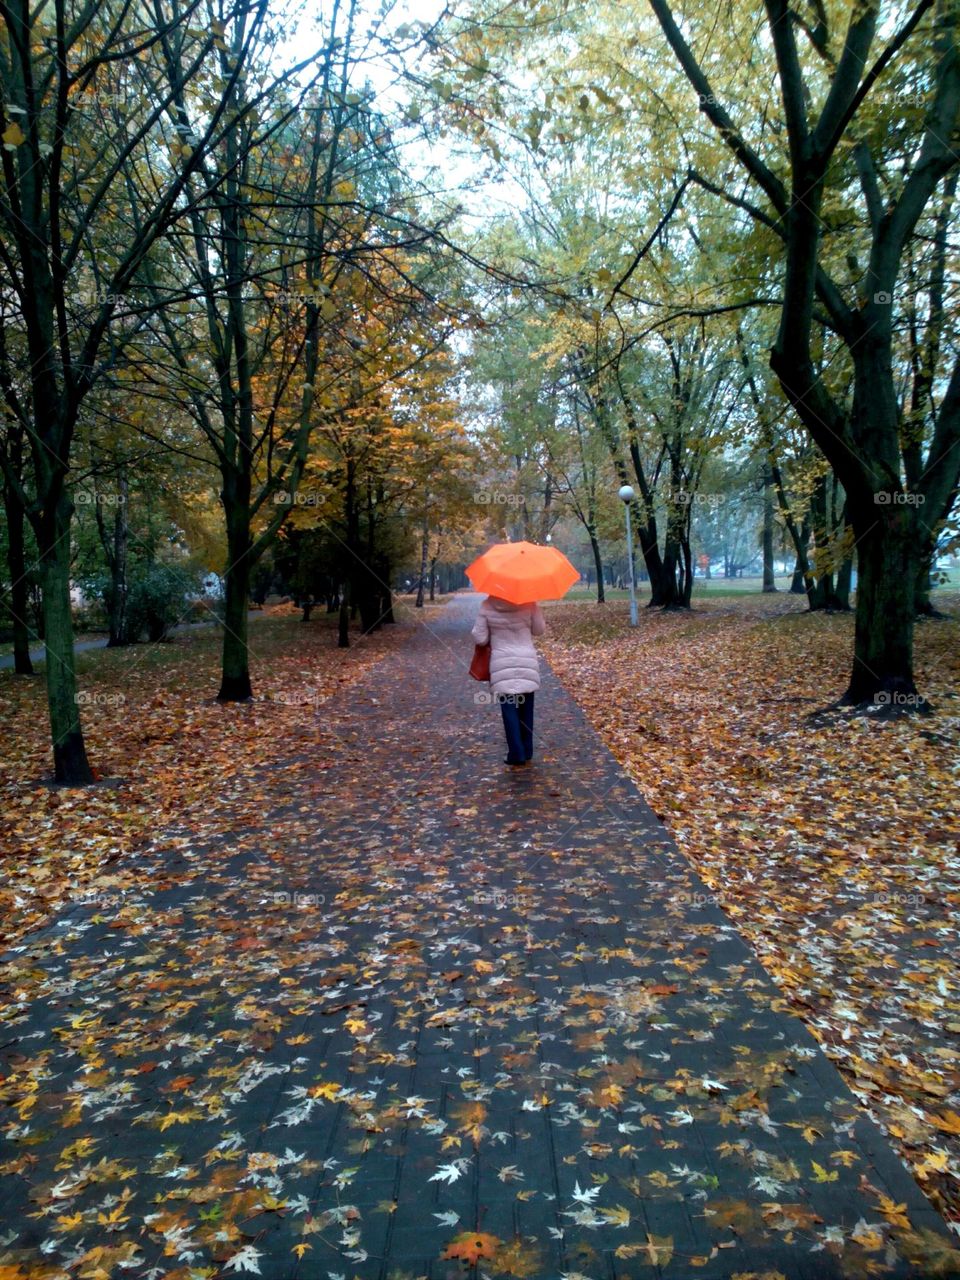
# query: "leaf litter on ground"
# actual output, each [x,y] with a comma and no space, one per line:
[830,839]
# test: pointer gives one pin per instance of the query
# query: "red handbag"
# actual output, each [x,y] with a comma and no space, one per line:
[480,666]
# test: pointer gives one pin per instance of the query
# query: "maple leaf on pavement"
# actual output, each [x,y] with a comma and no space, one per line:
[585,1197]
[450,1172]
[471,1246]
[246,1260]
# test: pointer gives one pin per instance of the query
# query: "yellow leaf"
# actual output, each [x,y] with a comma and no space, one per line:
[657,1252]
[617,1217]
[866,1237]
[948,1122]
[846,1158]
[324,1090]
[114,1218]
[896,1214]
[78,1150]
[179,1117]
[13,136]
[820,1174]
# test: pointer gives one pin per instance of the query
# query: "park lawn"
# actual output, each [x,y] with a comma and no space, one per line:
[831,842]
[168,755]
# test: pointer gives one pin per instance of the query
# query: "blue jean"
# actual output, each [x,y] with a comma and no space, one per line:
[517,712]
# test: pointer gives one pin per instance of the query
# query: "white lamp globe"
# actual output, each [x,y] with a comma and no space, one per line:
[625,493]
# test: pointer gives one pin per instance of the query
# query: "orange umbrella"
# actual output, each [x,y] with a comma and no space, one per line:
[523,572]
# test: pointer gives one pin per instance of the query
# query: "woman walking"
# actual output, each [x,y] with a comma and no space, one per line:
[514,668]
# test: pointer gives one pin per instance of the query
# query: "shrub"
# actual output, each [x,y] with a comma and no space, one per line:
[158,597]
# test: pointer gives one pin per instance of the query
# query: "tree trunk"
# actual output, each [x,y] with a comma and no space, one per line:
[598,563]
[842,590]
[424,549]
[17,564]
[799,534]
[369,607]
[686,586]
[669,596]
[820,589]
[119,588]
[923,604]
[343,627]
[386,594]
[642,512]
[886,579]
[70,764]
[235,680]
[769,582]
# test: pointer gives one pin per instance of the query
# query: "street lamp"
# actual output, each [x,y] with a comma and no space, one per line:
[625,494]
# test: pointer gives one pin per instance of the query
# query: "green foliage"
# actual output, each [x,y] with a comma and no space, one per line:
[158,597]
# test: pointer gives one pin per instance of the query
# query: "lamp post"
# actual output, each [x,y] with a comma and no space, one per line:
[625,494]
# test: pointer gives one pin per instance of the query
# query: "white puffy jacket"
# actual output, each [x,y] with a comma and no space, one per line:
[509,629]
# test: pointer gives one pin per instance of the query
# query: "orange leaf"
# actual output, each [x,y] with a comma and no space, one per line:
[471,1246]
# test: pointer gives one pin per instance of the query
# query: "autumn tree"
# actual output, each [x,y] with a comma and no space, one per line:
[847,207]
[88,121]
[828,199]
[393,462]
[13,442]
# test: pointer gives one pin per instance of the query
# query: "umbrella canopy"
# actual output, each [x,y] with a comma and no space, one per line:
[522,572]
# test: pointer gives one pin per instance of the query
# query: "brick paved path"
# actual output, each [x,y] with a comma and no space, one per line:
[429,1017]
